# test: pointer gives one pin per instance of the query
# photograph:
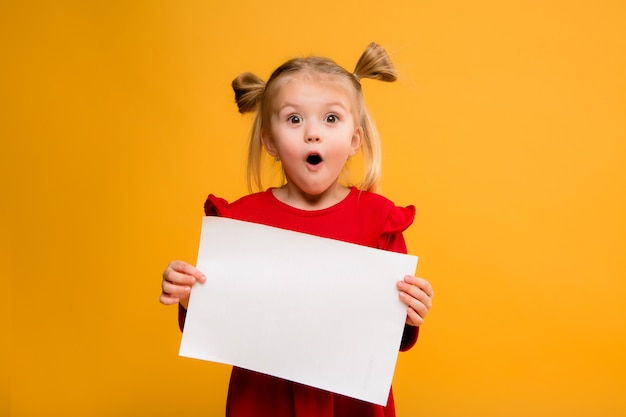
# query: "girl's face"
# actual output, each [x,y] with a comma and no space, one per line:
[313,131]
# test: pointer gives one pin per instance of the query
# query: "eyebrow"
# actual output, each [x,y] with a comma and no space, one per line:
[329,104]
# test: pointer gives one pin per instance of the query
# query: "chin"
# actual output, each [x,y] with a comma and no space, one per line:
[314,192]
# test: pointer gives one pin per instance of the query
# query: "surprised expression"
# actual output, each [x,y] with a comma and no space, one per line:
[313,131]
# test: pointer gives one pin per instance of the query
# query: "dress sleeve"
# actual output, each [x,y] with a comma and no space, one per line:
[391,238]
[182,314]
[398,220]
[216,206]
[409,337]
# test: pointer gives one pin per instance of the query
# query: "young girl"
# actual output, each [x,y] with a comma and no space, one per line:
[310,116]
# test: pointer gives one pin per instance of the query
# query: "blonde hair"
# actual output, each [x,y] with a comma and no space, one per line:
[252,94]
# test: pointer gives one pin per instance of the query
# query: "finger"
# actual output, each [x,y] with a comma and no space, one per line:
[177,291]
[415,305]
[415,292]
[421,283]
[413,318]
[168,299]
[178,278]
[186,269]
[420,289]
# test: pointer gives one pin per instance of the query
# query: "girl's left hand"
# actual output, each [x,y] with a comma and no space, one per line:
[417,294]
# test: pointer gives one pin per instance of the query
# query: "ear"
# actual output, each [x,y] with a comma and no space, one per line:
[268,143]
[357,140]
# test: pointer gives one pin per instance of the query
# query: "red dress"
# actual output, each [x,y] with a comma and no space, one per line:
[362,218]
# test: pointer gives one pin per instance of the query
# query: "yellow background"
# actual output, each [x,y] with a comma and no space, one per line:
[506,129]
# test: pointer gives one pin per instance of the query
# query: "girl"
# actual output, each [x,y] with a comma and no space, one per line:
[310,116]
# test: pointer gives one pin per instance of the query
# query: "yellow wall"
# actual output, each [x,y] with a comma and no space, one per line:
[506,129]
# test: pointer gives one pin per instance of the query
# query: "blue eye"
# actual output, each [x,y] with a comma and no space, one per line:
[294,118]
[332,118]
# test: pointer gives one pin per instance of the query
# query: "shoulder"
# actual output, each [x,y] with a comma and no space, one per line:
[217,206]
[381,204]
[372,199]
[393,218]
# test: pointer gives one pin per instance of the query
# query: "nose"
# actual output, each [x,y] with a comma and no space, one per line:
[312,132]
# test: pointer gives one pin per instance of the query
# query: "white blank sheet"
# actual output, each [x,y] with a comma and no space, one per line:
[316,311]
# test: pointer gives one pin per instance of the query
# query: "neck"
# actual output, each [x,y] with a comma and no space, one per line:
[296,198]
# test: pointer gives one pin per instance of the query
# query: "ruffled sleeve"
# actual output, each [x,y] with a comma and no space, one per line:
[398,220]
[216,206]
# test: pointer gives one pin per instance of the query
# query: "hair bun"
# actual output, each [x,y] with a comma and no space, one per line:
[248,90]
[375,64]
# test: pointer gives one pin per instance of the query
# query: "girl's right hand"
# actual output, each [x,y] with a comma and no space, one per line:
[178,279]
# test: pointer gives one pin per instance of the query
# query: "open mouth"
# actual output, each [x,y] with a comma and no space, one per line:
[314,159]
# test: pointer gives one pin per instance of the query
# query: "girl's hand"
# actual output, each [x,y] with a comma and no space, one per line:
[178,278]
[417,294]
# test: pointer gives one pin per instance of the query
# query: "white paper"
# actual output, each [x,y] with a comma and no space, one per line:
[317,311]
